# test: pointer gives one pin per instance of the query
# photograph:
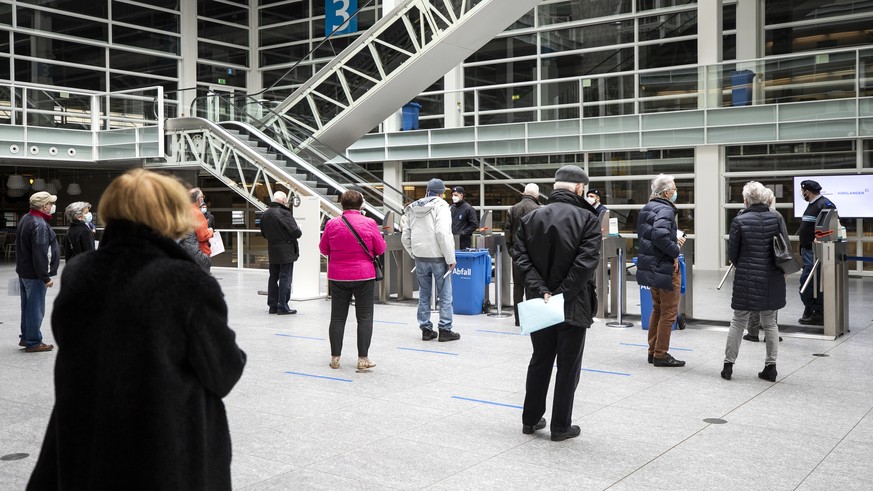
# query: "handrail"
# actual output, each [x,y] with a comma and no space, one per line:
[355,173]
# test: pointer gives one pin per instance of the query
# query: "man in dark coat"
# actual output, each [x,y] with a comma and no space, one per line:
[464,219]
[281,230]
[658,266]
[37,257]
[813,306]
[557,249]
[518,211]
[759,286]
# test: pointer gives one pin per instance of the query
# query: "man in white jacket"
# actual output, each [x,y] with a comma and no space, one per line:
[427,237]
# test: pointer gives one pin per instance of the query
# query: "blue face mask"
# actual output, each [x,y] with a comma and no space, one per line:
[673,198]
[88,217]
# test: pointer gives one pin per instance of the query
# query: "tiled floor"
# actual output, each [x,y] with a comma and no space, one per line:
[447,415]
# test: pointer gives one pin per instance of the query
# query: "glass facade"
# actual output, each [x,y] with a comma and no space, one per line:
[564,60]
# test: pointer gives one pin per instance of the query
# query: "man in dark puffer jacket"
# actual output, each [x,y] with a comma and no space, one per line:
[658,266]
[759,286]
[557,249]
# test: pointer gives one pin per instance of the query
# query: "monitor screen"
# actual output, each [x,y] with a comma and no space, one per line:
[851,194]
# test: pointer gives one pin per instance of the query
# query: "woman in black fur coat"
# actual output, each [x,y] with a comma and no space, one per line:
[140,375]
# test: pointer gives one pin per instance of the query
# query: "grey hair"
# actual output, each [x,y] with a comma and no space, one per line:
[532,190]
[569,186]
[661,184]
[280,196]
[75,209]
[754,193]
[769,197]
[195,194]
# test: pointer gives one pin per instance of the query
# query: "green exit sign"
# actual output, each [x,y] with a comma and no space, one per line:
[222,81]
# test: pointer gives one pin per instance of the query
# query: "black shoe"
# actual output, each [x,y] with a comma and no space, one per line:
[651,359]
[749,337]
[273,311]
[780,339]
[446,335]
[727,371]
[815,319]
[428,334]
[286,312]
[573,432]
[528,430]
[668,361]
[769,373]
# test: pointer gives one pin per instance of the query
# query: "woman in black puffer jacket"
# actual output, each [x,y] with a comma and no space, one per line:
[759,286]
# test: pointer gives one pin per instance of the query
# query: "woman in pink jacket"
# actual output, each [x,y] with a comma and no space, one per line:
[350,271]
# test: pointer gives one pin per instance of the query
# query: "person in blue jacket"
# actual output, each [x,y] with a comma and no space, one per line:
[658,266]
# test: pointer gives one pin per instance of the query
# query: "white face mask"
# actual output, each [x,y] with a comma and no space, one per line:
[590,200]
[203,209]
[53,210]
[455,199]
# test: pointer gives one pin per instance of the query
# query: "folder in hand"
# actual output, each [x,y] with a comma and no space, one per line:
[536,314]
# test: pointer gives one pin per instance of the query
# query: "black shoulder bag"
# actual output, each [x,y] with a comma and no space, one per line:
[782,254]
[377,264]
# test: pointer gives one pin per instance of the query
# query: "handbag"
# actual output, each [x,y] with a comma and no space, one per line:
[784,257]
[377,263]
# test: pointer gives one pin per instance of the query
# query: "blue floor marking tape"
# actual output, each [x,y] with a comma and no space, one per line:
[428,351]
[646,346]
[320,376]
[487,402]
[299,337]
[391,322]
[502,332]
[604,371]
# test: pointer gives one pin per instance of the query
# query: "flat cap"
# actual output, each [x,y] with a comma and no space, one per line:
[571,173]
[42,198]
[810,185]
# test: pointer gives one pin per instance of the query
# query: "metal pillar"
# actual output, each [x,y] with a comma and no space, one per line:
[611,248]
[835,285]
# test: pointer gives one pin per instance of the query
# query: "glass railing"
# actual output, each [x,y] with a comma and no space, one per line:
[825,75]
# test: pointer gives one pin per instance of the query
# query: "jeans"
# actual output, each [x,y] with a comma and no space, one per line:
[814,304]
[427,270]
[735,335]
[567,343]
[665,307]
[279,286]
[32,310]
[340,298]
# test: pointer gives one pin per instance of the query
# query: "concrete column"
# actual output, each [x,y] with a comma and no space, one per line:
[453,104]
[709,51]
[392,124]
[253,77]
[708,195]
[188,50]
[392,174]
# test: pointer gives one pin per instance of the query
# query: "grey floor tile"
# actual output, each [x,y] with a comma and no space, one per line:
[498,473]
[447,415]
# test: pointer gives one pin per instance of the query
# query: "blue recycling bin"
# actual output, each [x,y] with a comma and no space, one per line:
[409,116]
[472,272]
[741,90]
[646,297]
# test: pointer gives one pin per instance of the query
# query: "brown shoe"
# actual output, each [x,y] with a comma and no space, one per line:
[39,347]
[365,363]
[21,342]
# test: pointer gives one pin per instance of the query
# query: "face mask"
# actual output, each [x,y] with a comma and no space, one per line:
[673,198]
[455,199]
[590,200]
[88,217]
[203,209]
[52,211]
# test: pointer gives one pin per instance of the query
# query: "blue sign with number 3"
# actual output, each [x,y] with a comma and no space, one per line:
[339,14]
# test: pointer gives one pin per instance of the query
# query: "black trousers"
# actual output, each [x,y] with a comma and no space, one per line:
[517,290]
[567,343]
[340,298]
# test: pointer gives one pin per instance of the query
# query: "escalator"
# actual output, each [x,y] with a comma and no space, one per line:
[301,140]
